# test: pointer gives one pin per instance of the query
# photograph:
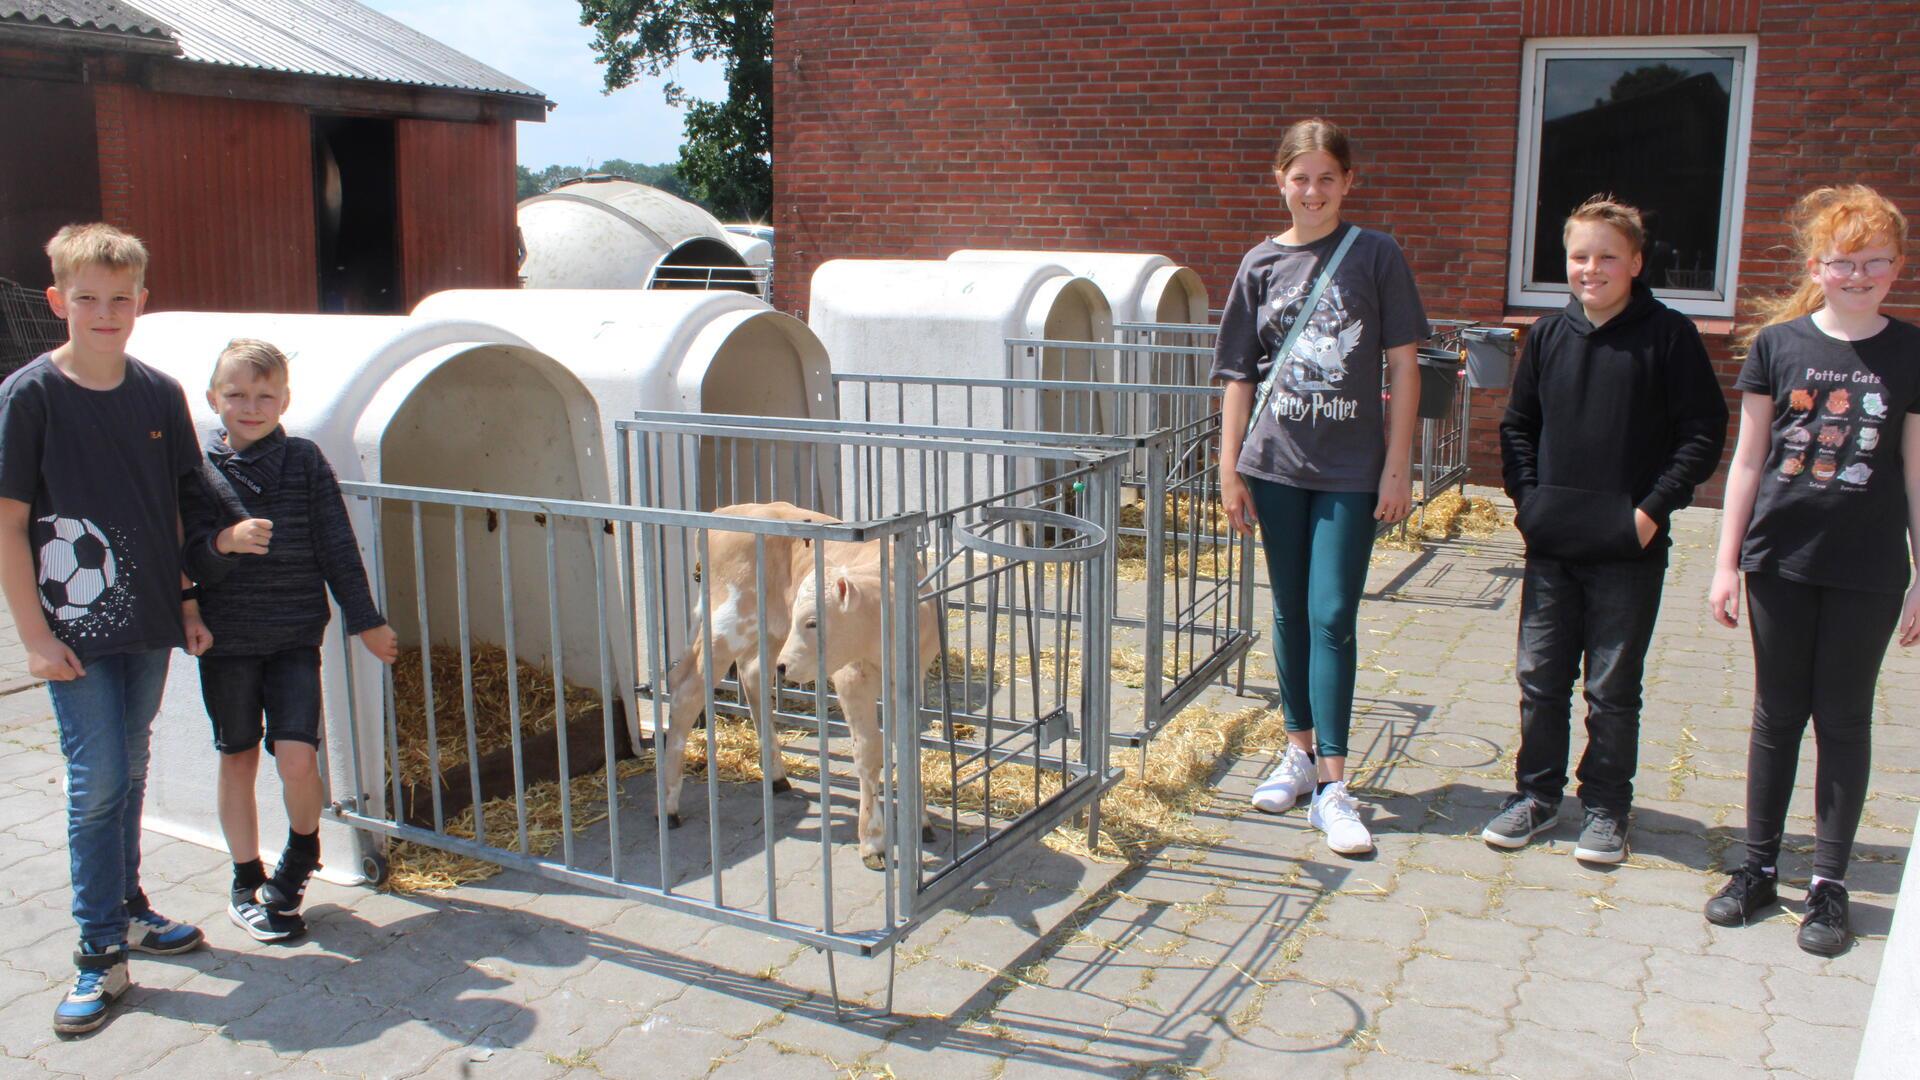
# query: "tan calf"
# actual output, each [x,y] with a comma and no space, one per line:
[851,616]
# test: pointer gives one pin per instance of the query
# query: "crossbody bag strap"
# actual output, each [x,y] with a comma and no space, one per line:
[1299,326]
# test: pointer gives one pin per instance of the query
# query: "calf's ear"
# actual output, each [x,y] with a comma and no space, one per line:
[844,590]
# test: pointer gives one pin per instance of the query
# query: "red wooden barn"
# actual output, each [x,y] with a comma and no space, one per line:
[910,128]
[298,156]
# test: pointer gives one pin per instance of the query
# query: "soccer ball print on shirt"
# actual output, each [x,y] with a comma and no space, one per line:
[81,577]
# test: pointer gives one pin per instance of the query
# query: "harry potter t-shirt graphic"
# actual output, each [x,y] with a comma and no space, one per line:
[1838,407]
[1323,427]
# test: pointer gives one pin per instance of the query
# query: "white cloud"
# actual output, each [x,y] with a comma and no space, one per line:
[541,43]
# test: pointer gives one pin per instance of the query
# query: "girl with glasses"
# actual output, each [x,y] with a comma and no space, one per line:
[1822,514]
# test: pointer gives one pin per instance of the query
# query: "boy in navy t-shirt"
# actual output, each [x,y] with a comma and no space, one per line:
[94,449]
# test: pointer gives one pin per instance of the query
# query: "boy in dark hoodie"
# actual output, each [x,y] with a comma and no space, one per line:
[1614,417]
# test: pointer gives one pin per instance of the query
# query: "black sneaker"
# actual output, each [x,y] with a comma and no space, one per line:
[1746,892]
[252,916]
[1603,837]
[1520,819]
[1825,931]
[286,890]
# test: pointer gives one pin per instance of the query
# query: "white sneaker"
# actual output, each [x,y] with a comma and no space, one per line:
[1288,781]
[1335,813]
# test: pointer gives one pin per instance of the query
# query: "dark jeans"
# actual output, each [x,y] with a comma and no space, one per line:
[1816,652]
[1601,614]
[104,721]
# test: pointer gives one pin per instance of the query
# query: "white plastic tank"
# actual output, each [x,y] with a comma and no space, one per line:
[429,403]
[604,233]
[1140,288]
[684,352]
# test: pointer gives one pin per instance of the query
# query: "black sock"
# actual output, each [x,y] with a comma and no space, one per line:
[248,876]
[1322,786]
[1312,757]
[304,843]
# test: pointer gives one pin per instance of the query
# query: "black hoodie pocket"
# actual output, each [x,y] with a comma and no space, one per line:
[1579,525]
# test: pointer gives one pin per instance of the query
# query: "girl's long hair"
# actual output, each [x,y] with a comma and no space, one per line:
[1839,219]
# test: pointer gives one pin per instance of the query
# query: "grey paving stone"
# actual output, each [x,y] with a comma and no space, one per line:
[1582,958]
[386,1046]
[1833,1001]
[1655,1064]
[213,1058]
[1486,941]
[1561,1004]
[1709,1031]
[1442,892]
[1442,982]
[1450,1037]
[1708,980]
[1549,909]
[1533,1051]
[483,1062]
[1358,965]
[1816,1051]
[130,1040]
[1665,929]
[664,1047]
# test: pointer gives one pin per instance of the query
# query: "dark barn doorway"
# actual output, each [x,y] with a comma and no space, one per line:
[355,217]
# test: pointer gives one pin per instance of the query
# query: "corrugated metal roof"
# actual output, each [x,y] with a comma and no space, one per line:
[337,38]
[108,16]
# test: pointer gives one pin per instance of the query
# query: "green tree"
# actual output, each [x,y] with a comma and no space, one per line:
[727,160]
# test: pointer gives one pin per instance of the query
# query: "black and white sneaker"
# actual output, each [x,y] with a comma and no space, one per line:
[252,916]
[1603,838]
[1521,818]
[1825,930]
[286,890]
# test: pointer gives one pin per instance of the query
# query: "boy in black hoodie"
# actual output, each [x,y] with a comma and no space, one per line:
[1615,416]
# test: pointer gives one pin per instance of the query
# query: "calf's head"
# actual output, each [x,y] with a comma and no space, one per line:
[846,619]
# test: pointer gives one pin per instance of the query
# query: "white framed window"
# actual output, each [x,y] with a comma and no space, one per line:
[1663,124]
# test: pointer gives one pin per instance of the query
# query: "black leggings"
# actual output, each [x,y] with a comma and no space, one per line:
[1816,651]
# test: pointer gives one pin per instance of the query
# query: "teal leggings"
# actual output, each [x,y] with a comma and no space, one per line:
[1317,545]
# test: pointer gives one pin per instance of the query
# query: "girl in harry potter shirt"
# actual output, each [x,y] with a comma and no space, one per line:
[1822,513]
[1323,462]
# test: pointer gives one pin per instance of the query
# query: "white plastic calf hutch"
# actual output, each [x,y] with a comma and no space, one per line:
[911,317]
[1139,288]
[456,405]
[602,233]
[679,352]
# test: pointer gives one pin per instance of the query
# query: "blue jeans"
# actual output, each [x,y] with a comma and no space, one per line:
[105,719]
[1317,545]
[1601,615]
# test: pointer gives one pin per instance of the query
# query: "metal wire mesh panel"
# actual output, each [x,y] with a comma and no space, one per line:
[28,326]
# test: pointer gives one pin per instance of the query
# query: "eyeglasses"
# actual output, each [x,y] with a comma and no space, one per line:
[1844,268]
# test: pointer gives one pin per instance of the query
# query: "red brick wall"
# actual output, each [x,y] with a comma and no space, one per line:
[910,128]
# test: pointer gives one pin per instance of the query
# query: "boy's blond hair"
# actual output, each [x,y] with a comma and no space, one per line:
[1608,210]
[76,247]
[263,358]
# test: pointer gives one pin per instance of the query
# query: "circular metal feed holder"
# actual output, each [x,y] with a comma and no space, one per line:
[1082,539]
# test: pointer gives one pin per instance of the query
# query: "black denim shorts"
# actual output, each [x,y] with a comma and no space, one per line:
[285,686]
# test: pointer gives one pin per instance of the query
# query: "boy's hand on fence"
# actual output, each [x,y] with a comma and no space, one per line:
[382,643]
[1723,598]
[50,659]
[1910,617]
[199,638]
[249,537]
[1236,501]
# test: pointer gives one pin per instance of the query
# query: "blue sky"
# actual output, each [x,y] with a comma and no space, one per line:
[541,43]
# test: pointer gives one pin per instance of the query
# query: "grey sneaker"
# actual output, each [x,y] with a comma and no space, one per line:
[1603,839]
[1520,818]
